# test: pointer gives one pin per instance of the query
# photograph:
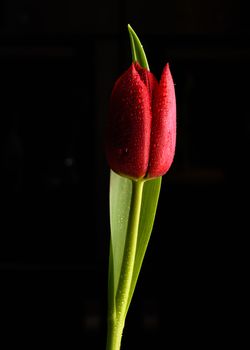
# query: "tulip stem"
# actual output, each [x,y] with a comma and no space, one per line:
[117,320]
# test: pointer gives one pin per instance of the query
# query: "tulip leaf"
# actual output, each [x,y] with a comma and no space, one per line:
[120,200]
[138,54]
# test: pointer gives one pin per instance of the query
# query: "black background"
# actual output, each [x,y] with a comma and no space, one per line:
[58,63]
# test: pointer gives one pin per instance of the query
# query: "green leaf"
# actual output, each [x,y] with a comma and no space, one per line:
[120,198]
[120,201]
[138,54]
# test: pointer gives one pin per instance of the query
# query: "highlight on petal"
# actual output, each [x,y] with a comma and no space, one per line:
[129,125]
[163,133]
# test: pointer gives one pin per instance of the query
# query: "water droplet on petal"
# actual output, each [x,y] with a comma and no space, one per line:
[122,151]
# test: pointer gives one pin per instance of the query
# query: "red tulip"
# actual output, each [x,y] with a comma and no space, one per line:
[141,128]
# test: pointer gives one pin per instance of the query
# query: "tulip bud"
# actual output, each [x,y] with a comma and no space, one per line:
[141,127]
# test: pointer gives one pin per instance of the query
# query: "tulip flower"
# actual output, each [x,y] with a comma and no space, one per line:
[140,146]
[141,130]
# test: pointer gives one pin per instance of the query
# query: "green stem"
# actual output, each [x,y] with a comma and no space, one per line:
[116,323]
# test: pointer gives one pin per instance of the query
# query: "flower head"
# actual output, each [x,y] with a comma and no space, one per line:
[141,128]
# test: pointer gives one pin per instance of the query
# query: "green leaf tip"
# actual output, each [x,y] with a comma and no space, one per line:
[138,53]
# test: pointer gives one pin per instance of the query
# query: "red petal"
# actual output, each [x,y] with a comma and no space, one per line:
[148,79]
[129,125]
[163,135]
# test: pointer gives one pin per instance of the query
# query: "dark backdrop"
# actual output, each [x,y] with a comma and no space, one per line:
[58,63]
